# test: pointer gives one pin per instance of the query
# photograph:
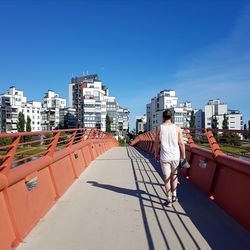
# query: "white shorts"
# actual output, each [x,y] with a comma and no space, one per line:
[169,167]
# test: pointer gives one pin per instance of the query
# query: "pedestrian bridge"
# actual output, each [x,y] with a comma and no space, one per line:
[115,203]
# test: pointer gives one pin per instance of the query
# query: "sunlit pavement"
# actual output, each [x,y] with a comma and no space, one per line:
[117,204]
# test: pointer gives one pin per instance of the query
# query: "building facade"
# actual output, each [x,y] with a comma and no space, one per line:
[141,124]
[67,117]
[199,118]
[11,104]
[51,106]
[122,122]
[91,100]
[167,99]
[217,109]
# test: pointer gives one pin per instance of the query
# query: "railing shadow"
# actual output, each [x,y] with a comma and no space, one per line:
[143,162]
[206,219]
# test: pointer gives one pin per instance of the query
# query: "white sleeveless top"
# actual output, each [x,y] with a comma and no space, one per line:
[169,143]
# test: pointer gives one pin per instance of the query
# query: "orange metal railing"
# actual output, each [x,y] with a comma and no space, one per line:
[220,166]
[36,168]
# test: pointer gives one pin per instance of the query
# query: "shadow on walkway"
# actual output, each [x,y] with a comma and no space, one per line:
[218,229]
[194,222]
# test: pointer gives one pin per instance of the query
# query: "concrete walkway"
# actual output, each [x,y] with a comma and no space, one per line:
[117,204]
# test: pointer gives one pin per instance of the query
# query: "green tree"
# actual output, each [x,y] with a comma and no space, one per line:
[192,120]
[225,122]
[28,124]
[245,136]
[248,129]
[108,124]
[214,124]
[28,129]
[21,122]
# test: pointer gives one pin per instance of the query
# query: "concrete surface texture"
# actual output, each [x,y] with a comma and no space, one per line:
[117,204]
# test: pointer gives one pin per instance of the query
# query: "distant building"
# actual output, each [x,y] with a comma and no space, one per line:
[33,109]
[167,99]
[112,107]
[11,104]
[51,105]
[217,109]
[122,121]
[86,95]
[199,118]
[67,117]
[141,124]
[91,100]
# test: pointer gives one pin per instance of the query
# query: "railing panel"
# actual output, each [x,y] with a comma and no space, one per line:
[30,199]
[63,174]
[7,234]
[78,162]
[29,189]
[223,178]
[231,192]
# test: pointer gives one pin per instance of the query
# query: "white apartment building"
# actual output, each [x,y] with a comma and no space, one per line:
[167,99]
[12,103]
[112,107]
[122,121]
[86,95]
[33,110]
[140,124]
[51,105]
[92,102]
[235,120]
[216,108]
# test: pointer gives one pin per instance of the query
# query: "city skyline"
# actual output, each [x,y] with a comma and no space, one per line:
[140,47]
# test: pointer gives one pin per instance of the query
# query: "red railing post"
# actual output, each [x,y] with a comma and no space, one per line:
[10,155]
[91,146]
[213,143]
[83,135]
[53,144]
[190,138]
[72,138]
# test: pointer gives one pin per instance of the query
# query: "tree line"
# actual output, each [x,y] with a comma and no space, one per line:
[22,126]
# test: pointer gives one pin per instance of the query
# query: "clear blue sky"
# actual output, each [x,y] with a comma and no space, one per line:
[199,48]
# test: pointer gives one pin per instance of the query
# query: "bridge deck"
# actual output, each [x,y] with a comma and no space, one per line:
[117,204]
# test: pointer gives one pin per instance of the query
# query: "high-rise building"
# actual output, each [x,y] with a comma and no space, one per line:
[199,118]
[12,103]
[86,95]
[217,109]
[51,105]
[67,117]
[112,107]
[91,100]
[122,121]
[140,125]
[167,99]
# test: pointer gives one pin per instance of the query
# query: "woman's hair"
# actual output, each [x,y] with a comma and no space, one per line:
[167,115]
